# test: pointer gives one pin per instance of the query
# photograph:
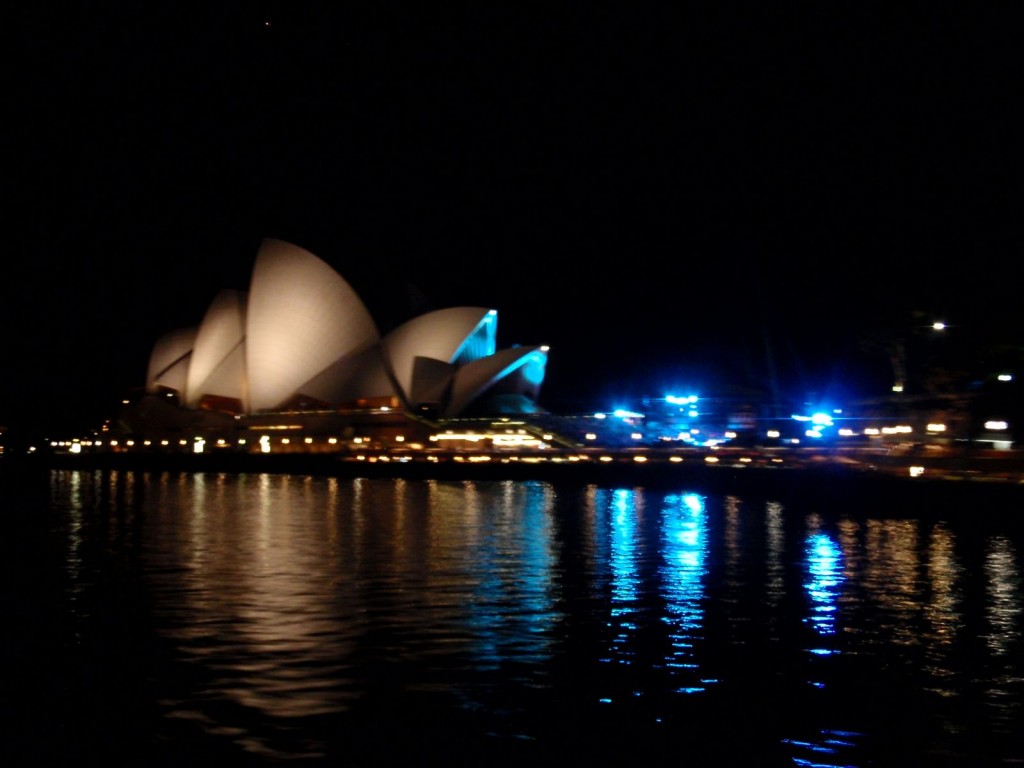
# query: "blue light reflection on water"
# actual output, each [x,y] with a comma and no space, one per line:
[684,554]
[824,566]
[625,507]
[825,749]
[828,746]
[512,610]
[621,508]
[654,580]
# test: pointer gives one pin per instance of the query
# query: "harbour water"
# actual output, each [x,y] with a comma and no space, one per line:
[172,618]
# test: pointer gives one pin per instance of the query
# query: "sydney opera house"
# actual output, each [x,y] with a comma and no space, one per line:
[297,362]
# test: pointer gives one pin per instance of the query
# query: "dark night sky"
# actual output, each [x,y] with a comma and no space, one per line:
[653,189]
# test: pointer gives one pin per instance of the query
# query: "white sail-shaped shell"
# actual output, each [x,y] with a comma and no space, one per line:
[218,361]
[302,317]
[169,360]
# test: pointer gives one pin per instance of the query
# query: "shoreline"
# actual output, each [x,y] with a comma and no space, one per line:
[825,477]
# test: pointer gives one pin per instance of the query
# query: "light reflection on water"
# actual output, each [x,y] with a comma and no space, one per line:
[278,612]
[684,550]
[624,509]
[824,566]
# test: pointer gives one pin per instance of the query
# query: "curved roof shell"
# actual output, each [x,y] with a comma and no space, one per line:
[217,366]
[169,359]
[471,381]
[302,318]
[452,336]
[357,376]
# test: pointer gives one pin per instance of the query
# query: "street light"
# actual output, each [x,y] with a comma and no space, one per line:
[898,354]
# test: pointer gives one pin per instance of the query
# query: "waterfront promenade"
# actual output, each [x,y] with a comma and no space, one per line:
[944,475]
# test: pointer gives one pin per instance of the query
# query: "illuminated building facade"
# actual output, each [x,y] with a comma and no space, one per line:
[300,341]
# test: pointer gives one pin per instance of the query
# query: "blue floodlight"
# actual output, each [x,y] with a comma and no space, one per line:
[819,419]
[675,400]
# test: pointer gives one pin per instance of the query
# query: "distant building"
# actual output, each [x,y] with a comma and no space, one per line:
[301,341]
